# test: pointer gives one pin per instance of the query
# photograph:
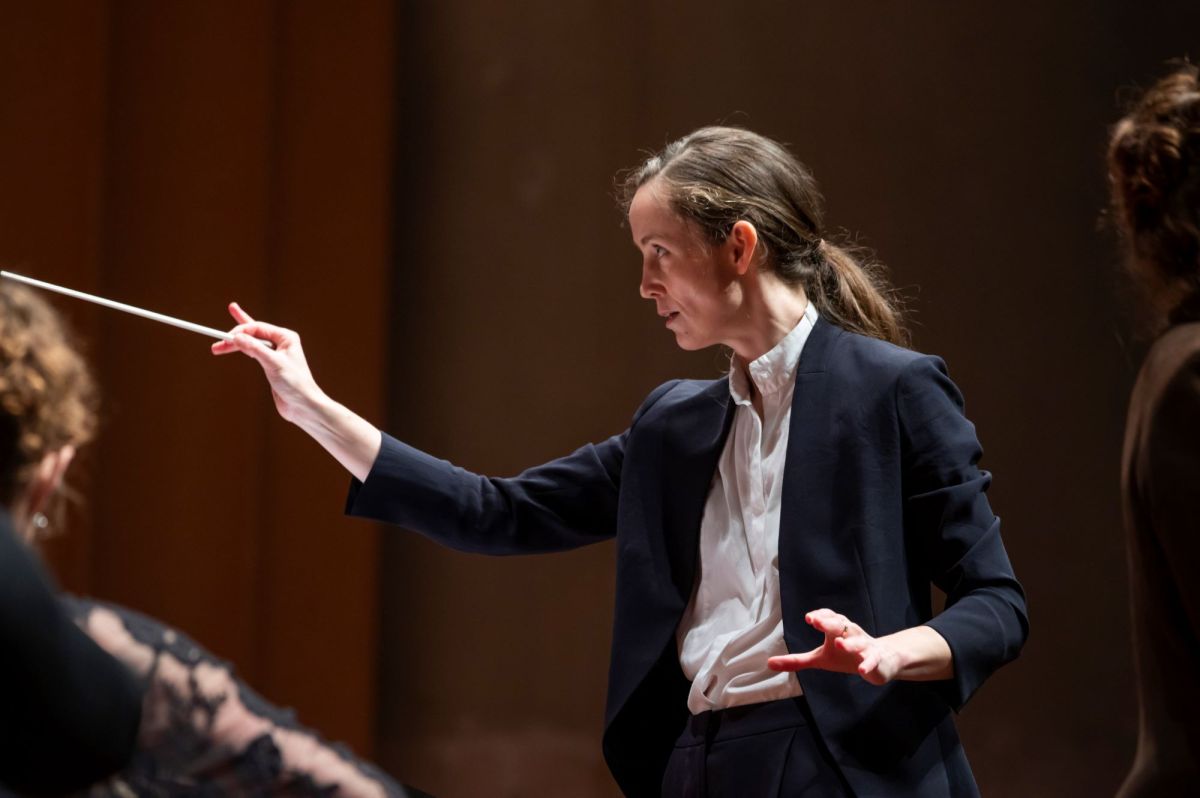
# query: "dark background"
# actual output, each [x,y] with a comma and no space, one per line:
[423,189]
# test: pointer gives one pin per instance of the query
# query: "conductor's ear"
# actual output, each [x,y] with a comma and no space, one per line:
[742,246]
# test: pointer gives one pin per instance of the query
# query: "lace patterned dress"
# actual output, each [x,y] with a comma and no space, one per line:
[205,733]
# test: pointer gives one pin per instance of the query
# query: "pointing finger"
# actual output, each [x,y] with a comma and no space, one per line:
[239,315]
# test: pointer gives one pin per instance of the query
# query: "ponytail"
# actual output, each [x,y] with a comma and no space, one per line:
[715,176]
[854,295]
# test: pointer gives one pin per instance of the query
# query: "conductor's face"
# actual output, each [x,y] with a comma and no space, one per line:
[689,279]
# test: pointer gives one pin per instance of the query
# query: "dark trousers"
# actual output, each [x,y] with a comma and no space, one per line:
[755,751]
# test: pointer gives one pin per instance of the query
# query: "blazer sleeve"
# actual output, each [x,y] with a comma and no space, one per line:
[563,504]
[71,712]
[956,535]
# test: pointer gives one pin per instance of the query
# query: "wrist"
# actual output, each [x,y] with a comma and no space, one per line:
[351,439]
[317,413]
[921,654]
[901,654]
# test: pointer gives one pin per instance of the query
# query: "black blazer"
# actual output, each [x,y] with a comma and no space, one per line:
[881,498]
[70,712]
[1159,477]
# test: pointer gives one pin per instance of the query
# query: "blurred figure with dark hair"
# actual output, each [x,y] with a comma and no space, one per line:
[170,717]
[1154,174]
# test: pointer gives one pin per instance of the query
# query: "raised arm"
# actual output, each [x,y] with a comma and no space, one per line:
[352,440]
[568,502]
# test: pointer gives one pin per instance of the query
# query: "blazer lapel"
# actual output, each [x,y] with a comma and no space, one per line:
[692,445]
[806,552]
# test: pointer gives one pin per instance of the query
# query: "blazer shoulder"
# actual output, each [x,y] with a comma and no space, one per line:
[682,390]
[672,394]
[876,361]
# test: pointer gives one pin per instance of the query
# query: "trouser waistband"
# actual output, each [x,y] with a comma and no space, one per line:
[743,721]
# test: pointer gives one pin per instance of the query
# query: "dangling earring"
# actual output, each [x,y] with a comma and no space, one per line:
[35,528]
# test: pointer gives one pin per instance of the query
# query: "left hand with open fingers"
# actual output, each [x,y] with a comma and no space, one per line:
[847,648]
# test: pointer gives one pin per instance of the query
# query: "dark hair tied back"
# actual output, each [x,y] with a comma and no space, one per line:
[716,176]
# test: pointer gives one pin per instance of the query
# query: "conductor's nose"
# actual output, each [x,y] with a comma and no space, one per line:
[649,288]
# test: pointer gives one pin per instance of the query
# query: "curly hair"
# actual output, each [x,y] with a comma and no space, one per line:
[1154,180]
[47,395]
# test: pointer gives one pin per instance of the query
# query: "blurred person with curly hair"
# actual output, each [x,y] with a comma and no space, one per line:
[1154,176]
[98,697]
[71,711]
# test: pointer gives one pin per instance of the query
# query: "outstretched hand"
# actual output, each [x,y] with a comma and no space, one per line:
[351,440]
[291,381]
[846,649]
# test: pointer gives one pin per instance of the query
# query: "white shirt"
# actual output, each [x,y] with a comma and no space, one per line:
[734,620]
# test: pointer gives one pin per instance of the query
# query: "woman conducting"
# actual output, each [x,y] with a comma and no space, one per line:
[777,530]
[1154,175]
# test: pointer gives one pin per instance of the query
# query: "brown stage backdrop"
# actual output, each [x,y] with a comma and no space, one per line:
[423,189]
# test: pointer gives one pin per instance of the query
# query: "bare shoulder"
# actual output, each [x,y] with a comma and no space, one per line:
[1174,357]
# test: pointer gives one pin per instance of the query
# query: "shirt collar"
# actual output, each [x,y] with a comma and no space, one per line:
[775,369]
